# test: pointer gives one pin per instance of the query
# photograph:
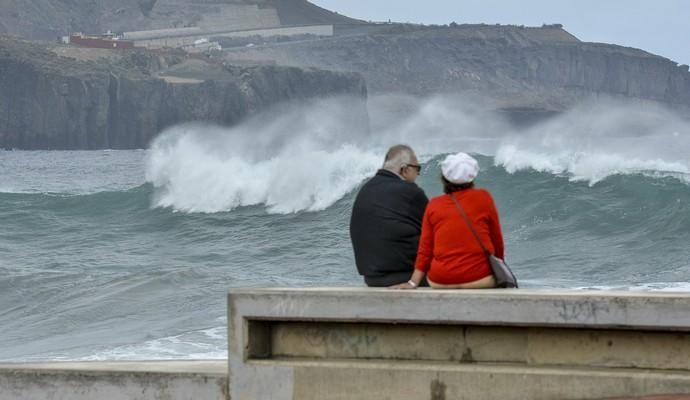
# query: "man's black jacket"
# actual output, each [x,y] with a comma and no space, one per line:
[385,226]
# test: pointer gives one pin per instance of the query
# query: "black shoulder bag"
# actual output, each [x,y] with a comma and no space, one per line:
[502,273]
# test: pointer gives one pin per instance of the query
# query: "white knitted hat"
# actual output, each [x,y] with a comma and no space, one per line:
[460,168]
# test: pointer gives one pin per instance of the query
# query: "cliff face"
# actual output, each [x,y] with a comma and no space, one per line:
[52,101]
[63,97]
[506,67]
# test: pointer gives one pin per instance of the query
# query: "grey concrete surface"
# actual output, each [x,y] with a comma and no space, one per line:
[149,380]
[326,343]
[205,367]
[529,346]
[334,380]
[365,344]
[659,311]
[665,397]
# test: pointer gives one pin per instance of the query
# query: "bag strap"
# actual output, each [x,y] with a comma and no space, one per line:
[469,224]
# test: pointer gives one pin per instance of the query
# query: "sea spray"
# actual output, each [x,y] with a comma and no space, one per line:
[189,179]
[308,156]
[436,125]
[304,158]
[598,140]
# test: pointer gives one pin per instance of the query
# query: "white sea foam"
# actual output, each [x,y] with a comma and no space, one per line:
[307,157]
[592,143]
[436,125]
[304,158]
[591,166]
[206,344]
[190,176]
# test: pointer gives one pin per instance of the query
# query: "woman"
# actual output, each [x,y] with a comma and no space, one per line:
[449,254]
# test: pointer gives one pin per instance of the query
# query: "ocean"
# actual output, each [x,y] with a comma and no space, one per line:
[113,255]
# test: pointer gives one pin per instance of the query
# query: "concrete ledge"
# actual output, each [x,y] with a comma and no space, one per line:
[580,309]
[492,344]
[153,380]
[377,344]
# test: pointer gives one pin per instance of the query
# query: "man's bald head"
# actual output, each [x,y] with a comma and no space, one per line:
[397,157]
[397,160]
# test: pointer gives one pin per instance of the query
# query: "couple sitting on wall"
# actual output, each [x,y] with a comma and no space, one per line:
[403,240]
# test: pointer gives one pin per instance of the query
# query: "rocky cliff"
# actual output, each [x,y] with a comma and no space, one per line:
[64,97]
[504,66]
[58,97]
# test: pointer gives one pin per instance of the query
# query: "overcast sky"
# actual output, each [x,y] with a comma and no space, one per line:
[658,26]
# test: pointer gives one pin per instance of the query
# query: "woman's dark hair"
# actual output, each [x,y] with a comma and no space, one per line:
[450,187]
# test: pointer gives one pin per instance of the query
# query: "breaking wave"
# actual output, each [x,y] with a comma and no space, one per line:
[309,157]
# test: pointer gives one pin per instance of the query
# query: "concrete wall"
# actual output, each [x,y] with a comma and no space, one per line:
[161,33]
[183,380]
[489,344]
[425,344]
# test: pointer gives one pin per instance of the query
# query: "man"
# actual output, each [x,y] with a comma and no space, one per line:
[387,219]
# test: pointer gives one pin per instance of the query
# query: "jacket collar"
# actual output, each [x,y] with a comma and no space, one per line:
[388,174]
